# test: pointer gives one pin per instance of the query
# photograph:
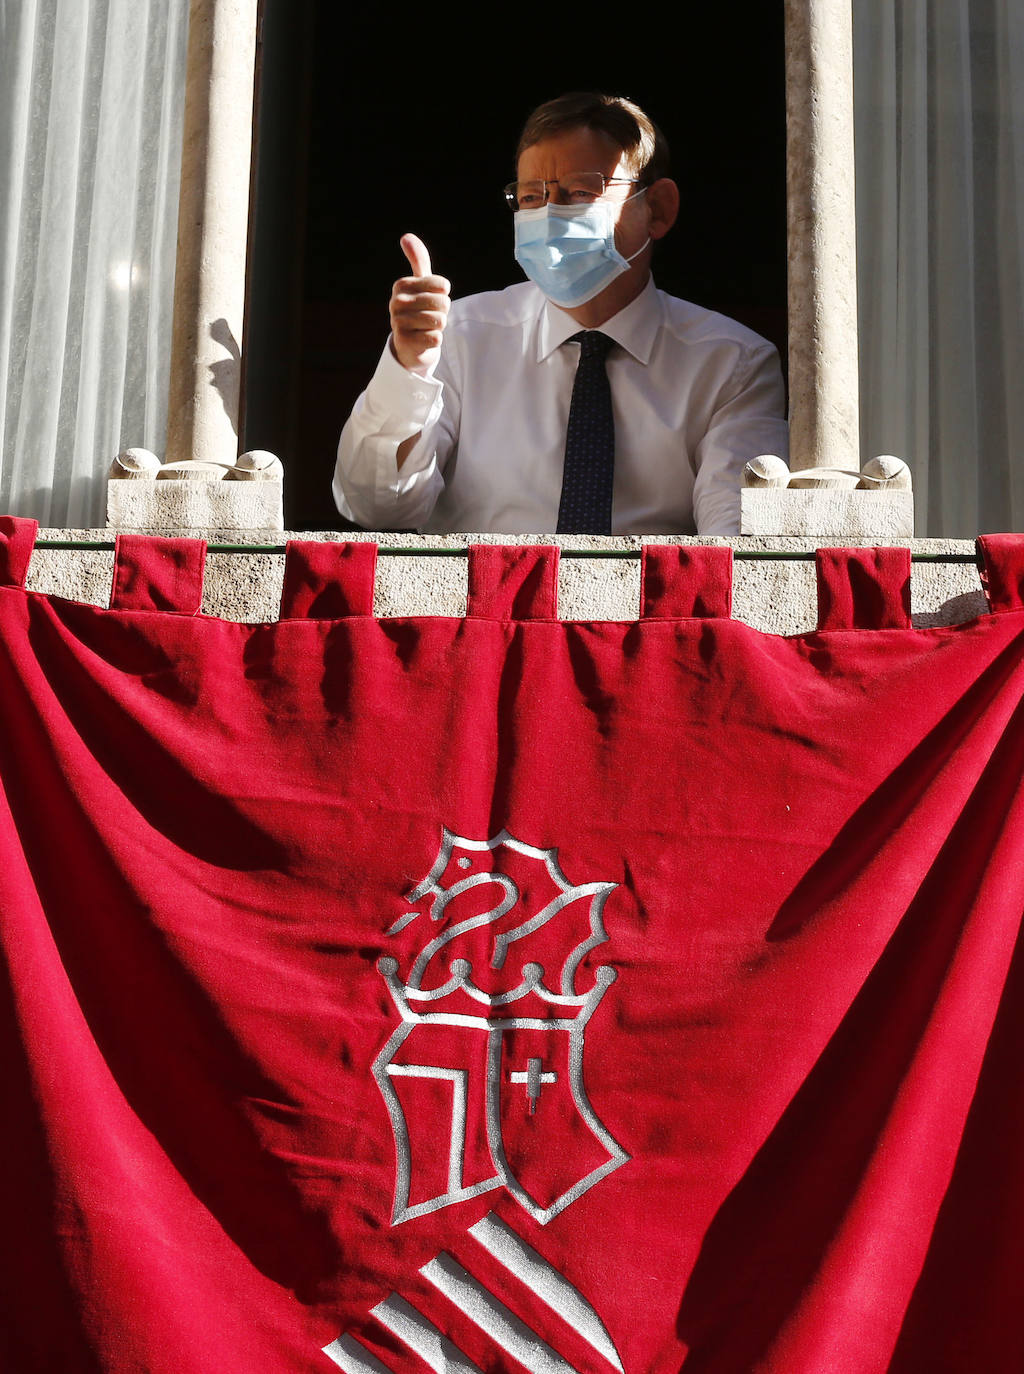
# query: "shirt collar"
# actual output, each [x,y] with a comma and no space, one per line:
[633,328]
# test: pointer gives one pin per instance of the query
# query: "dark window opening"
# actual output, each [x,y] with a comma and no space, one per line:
[365,131]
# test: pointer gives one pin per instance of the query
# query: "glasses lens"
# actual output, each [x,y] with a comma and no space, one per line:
[526,195]
[581,188]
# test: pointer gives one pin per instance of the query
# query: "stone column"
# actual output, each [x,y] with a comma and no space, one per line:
[213,217]
[825,491]
[823,375]
[209,307]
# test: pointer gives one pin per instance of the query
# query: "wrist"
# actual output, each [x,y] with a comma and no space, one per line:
[417,364]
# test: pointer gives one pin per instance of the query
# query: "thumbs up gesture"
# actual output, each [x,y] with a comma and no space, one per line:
[419,310]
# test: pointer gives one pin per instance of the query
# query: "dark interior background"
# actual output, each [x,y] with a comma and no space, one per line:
[366,129]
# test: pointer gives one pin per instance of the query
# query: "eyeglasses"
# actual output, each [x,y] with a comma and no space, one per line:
[575,188]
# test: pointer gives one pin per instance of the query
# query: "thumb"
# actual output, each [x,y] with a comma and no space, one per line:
[416,252]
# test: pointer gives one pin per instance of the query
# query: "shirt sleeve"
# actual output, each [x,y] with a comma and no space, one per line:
[748,421]
[369,487]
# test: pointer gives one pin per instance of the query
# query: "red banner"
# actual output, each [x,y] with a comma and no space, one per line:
[500,993]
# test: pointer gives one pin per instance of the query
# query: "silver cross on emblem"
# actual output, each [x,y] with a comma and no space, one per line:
[534,1080]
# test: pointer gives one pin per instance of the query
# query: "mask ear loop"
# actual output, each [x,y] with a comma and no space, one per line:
[648,241]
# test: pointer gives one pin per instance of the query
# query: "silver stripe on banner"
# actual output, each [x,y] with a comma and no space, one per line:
[354,1358]
[493,1317]
[544,1280]
[422,1337]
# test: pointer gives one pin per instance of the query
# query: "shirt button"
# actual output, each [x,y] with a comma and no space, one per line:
[419,395]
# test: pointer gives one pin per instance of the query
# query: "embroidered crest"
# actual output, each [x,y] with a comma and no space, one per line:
[491,1045]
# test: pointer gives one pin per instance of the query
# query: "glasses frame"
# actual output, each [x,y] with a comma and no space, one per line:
[512,199]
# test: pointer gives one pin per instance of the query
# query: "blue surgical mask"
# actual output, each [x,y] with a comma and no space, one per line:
[569,250]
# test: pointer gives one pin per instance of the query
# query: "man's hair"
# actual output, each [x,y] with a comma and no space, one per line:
[642,142]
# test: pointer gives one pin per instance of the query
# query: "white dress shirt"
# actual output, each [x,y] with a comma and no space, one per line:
[694,395]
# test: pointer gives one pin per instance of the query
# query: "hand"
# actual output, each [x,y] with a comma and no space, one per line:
[419,310]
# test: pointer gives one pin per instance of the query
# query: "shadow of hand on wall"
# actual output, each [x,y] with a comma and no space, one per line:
[226,374]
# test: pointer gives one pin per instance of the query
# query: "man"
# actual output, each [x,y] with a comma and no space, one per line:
[582,401]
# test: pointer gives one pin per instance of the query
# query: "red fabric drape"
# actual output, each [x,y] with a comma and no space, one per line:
[641,996]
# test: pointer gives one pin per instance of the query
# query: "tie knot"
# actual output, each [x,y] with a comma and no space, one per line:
[593,344]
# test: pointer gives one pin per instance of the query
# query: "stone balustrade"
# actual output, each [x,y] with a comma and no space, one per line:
[774,580]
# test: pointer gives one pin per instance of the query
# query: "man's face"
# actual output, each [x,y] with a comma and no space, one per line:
[589,150]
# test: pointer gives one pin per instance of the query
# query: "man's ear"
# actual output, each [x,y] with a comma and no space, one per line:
[663,205]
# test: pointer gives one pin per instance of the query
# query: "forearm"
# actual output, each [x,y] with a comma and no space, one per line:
[746,424]
[388,473]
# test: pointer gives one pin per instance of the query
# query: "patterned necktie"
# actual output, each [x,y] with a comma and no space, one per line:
[586,504]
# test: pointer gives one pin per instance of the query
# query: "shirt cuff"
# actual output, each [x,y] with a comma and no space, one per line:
[402,401]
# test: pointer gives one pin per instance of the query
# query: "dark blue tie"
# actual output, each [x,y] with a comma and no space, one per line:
[586,504]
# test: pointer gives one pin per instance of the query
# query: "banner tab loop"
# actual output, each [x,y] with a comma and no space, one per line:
[154,573]
[17,540]
[513,582]
[1002,570]
[863,589]
[685,581]
[328,581]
